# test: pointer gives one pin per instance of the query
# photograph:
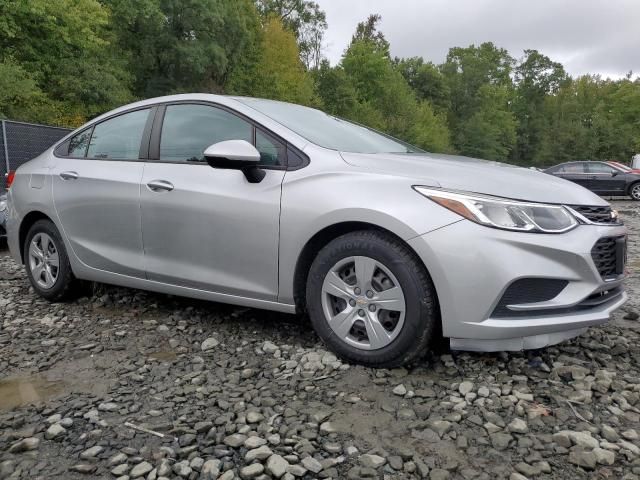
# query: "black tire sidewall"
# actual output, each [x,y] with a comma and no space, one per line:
[420,313]
[65,276]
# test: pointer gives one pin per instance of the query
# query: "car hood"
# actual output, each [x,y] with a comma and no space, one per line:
[478,176]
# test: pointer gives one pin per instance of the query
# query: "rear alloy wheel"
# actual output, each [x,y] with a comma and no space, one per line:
[44,261]
[634,191]
[371,300]
[47,263]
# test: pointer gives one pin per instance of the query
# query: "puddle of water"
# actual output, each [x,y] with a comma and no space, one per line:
[17,392]
[164,355]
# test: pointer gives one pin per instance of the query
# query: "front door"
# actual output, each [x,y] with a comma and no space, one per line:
[209,228]
[606,180]
[96,194]
[575,172]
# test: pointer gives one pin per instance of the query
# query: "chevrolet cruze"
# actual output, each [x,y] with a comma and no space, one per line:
[277,206]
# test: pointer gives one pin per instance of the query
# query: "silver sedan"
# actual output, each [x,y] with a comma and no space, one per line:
[283,207]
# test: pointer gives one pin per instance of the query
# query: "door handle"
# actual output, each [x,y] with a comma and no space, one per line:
[160,186]
[69,175]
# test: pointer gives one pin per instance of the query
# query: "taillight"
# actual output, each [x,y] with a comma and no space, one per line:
[9,177]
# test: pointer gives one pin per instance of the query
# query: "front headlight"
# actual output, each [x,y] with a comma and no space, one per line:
[503,213]
[3,205]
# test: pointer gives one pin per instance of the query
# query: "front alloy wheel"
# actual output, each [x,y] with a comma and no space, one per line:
[363,303]
[371,300]
[635,191]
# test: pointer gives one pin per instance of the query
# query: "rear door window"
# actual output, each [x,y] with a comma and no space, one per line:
[120,137]
[572,168]
[78,144]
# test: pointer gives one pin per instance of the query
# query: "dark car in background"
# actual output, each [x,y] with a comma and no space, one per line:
[601,178]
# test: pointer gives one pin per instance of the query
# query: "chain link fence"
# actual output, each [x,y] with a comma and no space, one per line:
[20,142]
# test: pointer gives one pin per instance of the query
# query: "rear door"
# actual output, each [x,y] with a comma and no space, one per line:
[207,228]
[575,172]
[96,192]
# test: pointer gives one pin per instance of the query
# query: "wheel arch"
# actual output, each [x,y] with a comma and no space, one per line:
[27,222]
[630,187]
[320,239]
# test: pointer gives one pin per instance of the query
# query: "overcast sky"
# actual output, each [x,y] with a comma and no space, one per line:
[587,36]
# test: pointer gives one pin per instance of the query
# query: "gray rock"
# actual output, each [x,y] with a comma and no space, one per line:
[251,471]
[228,475]
[25,445]
[182,469]
[260,453]
[465,387]
[54,431]
[609,433]
[117,459]
[269,347]
[518,425]
[92,452]
[211,469]
[562,438]
[604,457]
[296,470]
[400,390]
[140,470]
[120,470]
[372,461]
[311,464]
[235,440]
[254,417]
[276,466]
[84,468]
[108,407]
[439,474]
[500,441]
[254,442]
[583,458]
[209,344]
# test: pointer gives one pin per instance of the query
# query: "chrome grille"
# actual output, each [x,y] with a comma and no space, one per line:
[602,215]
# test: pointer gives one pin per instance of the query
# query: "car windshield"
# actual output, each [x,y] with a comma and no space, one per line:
[328,131]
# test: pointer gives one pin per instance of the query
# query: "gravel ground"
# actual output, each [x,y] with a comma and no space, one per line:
[128,384]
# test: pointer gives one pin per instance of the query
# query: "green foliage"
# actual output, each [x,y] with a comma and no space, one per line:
[537,77]
[60,52]
[490,132]
[479,81]
[590,118]
[368,88]
[426,80]
[278,72]
[183,45]
[305,19]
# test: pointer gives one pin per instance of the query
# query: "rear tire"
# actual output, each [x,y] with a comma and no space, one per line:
[371,300]
[47,263]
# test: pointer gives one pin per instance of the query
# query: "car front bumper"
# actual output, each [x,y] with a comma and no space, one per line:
[473,268]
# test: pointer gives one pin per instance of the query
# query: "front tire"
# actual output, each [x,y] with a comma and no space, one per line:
[634,191]
[371,300]
[47,263]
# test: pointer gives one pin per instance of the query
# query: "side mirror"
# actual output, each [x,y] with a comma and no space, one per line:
[615,173]
[236,155]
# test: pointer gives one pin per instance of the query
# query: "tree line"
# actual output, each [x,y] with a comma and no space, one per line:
[63,62]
